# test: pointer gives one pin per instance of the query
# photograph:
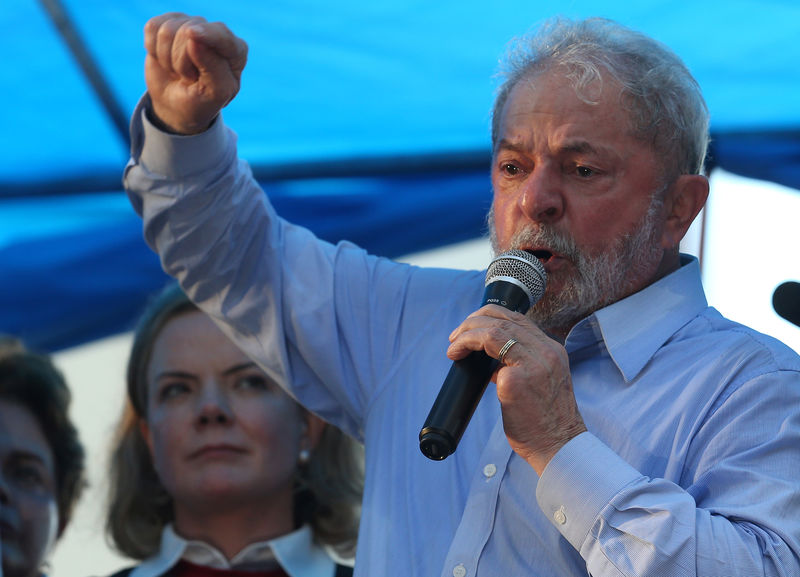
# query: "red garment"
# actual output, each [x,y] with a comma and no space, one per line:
[186,569]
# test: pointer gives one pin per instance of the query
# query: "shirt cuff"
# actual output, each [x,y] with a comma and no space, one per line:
[178,156]
[578,484]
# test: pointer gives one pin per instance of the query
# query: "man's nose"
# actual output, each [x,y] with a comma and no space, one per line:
[541,196]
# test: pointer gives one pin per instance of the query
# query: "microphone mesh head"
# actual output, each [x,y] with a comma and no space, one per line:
[521,266]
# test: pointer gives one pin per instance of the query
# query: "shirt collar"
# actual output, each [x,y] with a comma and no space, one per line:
[296,553]
[634,328]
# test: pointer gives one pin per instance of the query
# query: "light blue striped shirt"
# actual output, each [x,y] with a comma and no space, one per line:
[691,465]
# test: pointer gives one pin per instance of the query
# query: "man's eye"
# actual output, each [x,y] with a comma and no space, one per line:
[510,169]
[584,171]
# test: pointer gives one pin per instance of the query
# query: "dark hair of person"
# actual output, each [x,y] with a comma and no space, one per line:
[32,380]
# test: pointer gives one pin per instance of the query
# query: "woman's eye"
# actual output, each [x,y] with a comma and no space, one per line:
[253,382]
[28,476]
[172,390]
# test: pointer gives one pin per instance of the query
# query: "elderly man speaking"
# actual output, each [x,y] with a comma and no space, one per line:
[628,430]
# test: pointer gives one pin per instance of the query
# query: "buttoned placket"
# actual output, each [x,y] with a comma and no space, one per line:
[477,521]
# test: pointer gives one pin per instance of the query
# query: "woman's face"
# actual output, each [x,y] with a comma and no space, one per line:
[28,502]
[220,432]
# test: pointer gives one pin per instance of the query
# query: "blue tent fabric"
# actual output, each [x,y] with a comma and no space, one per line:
[90,268]
[365,121]
[88,279]
[768,155]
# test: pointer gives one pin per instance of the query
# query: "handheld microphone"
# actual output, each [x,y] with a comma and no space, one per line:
[515,280]
[786,301]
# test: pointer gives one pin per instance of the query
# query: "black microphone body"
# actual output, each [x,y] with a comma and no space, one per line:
[468,378]
[786,301]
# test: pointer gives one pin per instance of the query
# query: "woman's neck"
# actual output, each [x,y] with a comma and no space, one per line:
[234,528]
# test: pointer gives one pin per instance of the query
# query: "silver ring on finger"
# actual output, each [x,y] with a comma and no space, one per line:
[505,348]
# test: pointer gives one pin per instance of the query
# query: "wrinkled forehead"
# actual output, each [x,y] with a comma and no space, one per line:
[551,97]
[593,86]
[600,105]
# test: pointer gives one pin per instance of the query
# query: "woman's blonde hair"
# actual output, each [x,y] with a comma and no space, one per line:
[328,488]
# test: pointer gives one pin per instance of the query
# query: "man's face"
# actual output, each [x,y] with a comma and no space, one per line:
[575,187]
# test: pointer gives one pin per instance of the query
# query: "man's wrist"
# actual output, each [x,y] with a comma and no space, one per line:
[160,124]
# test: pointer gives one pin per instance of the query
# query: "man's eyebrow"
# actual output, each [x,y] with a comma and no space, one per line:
[573,146]
[505,144]
[580,147]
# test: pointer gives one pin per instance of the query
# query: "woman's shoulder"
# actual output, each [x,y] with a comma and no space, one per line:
[341,571]
[123,572]
[126,571]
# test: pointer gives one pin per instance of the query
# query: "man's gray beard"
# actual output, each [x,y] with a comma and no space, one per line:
[596,280]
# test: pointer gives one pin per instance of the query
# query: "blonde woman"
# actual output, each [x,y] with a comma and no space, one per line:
[216,470]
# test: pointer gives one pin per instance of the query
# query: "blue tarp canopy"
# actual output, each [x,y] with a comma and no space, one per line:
[366,121]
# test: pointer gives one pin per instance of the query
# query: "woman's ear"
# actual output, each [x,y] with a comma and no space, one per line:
[312,430]
[147,435]
[682,203]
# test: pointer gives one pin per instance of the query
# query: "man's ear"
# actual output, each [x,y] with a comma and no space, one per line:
[683,202]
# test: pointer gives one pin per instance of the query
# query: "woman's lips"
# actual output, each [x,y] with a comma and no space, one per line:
[216,451]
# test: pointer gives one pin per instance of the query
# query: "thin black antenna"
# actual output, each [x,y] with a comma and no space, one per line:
[69,32]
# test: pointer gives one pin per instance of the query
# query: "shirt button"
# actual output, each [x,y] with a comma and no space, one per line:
[560,516]
[489,470]
[459,571]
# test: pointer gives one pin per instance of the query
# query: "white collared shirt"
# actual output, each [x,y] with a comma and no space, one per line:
[295,552]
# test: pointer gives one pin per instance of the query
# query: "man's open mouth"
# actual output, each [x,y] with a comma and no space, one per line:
[541,254]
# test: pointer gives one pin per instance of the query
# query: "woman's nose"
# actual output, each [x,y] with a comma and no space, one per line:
[213,417]
[214,407]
